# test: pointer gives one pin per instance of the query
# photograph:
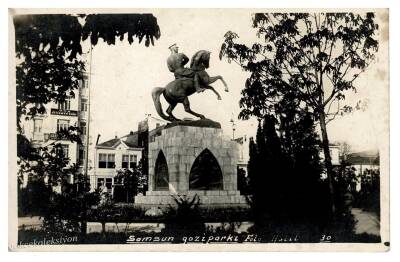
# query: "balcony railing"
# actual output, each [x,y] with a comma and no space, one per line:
[54,136]
[55,111]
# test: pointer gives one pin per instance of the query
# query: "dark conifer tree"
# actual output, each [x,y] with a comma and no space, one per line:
[284,173]
[255,172]
[264,173]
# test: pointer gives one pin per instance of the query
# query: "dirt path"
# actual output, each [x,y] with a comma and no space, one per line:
[29,222]
[366,222]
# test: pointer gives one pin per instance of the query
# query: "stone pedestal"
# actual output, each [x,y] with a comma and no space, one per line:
[174,160]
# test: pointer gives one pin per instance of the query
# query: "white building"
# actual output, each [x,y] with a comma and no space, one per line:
[363,162]
[42,129]
[244,156]
[113,155]
[122,153]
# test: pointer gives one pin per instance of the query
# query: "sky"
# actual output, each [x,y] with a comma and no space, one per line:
[123,76]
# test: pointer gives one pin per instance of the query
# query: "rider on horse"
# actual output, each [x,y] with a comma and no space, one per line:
[187,82]
[176,62]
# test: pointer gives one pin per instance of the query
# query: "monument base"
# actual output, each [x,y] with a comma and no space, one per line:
[211,197]
[189,158]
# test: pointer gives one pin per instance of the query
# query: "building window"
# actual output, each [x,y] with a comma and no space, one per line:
[83,128]
[107,181]
[81,155]
[102,160]
[37,125]
[125,161]
[100,182]
[64,150]
[64,105]
[110,161]
[129,161]
[62,124]
[106,160]
[132,161]
[85,83]
[84,105]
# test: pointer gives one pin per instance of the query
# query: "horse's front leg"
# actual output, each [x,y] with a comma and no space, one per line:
[169,112]
[215,92]
[186,105]
[212,79]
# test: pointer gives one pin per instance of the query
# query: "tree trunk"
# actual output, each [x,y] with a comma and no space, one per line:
[328,160]
[83,228]
[103,229]
[83,220]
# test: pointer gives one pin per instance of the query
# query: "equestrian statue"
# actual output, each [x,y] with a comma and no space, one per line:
[187,82]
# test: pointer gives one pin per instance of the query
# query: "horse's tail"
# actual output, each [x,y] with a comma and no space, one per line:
[157,91]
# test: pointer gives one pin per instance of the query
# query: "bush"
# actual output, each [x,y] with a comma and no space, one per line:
[33,199]
[185,217]
[120,213]
[225,214]
[129,183]
[68,212]
[369,195]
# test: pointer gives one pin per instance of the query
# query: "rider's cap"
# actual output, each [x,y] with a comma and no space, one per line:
[171,46]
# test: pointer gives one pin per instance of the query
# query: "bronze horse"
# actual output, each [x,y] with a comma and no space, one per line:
[180,89]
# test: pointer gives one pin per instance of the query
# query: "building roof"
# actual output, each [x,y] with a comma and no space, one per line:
[109,143]
[370,157]
[131,140]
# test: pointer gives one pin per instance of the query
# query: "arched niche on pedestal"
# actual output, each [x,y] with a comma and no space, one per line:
[205,173]
[161,175]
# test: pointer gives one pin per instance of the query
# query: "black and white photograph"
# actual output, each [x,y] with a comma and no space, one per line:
[199,129]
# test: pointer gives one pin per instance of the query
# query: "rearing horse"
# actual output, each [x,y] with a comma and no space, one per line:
[180,89]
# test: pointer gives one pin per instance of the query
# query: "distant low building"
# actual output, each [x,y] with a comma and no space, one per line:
[123,153]
[363,160]
[243,159]
[112,155]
